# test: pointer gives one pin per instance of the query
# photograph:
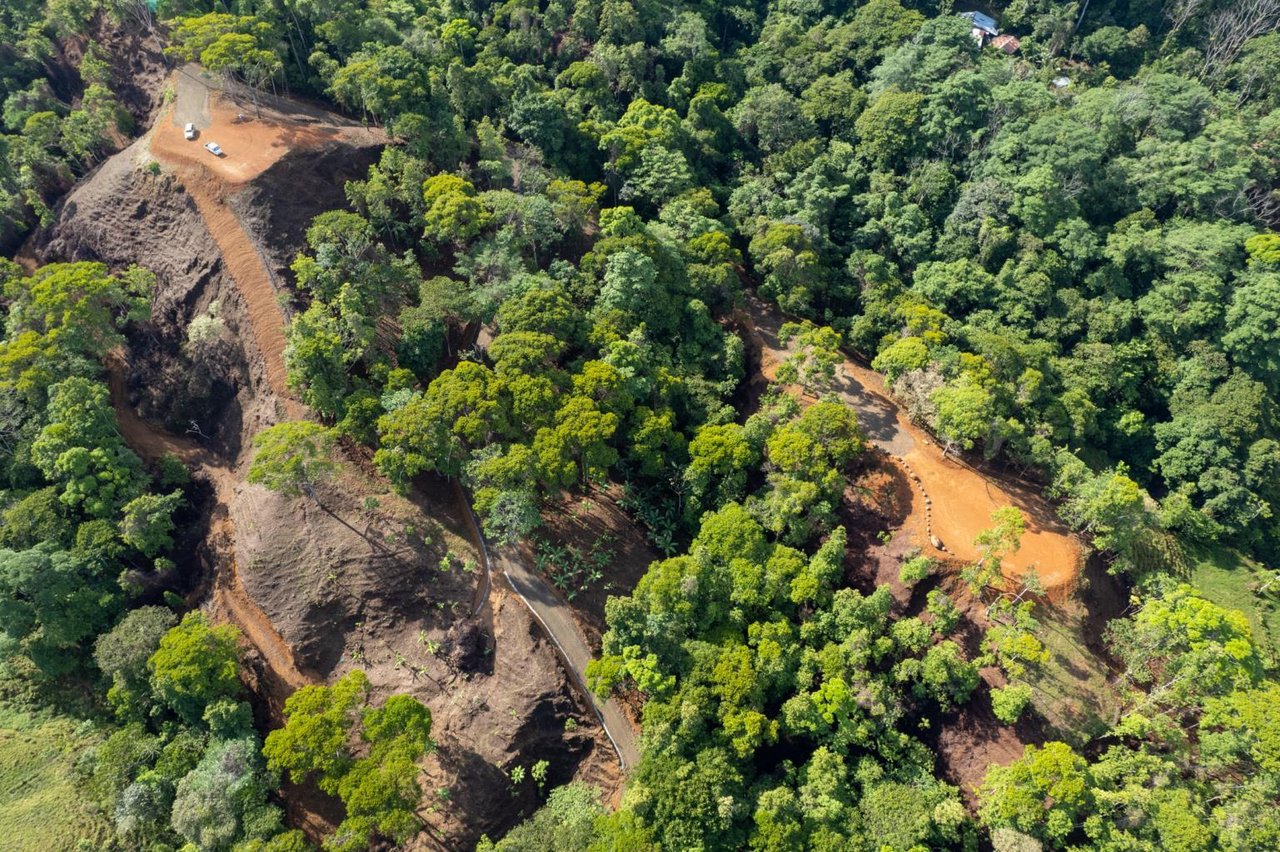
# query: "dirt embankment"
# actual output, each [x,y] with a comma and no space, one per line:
[957,498]
[363,578]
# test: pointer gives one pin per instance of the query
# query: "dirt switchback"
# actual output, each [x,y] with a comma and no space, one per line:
[358,577]
[959,498]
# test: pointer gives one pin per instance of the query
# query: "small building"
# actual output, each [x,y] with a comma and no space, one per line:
[984,26]
[1006,43]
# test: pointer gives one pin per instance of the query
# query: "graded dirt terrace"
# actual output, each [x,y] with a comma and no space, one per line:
[253,139]
[957,498]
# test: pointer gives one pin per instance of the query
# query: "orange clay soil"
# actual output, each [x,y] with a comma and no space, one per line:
[959,499]
[250,146]
[229,598]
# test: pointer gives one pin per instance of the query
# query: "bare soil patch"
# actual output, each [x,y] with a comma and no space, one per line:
[960,497]
[880,517]
[253,140]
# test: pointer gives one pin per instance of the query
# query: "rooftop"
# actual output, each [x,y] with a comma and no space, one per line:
[982,21]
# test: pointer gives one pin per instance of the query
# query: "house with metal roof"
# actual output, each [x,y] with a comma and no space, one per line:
[983,25]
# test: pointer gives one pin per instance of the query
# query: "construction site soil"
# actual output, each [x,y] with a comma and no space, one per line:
[357,577]
[957,498]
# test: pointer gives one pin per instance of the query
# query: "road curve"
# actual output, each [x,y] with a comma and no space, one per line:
[553,614]
[959,498]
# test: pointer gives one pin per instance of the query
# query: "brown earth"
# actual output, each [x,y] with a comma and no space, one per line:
[959,498]
[355,579]
[594,524]
[252,144]
[380,585]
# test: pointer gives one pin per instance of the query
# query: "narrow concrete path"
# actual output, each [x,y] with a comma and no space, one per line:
[550,610]
[553,614]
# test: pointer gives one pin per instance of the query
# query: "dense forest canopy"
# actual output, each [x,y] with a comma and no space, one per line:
[1063,259]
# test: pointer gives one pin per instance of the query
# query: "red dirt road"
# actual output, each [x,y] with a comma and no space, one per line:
[250,147]
[960,499]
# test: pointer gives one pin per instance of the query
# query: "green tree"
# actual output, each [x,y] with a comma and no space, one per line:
[81,450]
[887,127]
[318,723]
[380,791]
[236,46]
[462,409]
[576,449]
[1008,702]
[53,602]
[122,654]
[1181,647]
[196,665]
[292,457]
[1042,794]
[567,821]
[964,413]
[453,213]
[720,458]
[224,798]
[146,522]
[815,358]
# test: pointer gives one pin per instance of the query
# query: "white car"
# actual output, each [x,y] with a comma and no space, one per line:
[213,148]
[189,131]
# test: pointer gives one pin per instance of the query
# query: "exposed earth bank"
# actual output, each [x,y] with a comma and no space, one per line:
[359,577]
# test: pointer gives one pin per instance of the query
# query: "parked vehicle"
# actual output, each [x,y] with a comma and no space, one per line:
[189,131]
[213,148]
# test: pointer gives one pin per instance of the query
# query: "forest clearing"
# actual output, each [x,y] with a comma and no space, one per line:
[606,425]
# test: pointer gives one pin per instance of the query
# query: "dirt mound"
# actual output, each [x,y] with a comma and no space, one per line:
[124,213]
[321,568]
[365,579]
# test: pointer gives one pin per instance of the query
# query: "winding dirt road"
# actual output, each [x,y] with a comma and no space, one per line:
[961,498]
[251,147]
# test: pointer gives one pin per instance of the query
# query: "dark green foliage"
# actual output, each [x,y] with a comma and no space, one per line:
[54,602]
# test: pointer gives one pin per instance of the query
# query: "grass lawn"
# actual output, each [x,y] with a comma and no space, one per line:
[40,807]
[1228,579]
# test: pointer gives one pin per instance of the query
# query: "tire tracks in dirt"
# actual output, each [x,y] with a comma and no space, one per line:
[253,282]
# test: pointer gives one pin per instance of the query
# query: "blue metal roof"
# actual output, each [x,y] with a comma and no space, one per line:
[986,23]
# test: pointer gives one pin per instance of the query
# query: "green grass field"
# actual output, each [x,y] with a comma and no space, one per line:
[40,807]
[1230,580]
